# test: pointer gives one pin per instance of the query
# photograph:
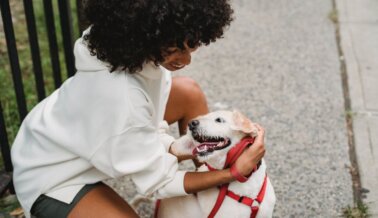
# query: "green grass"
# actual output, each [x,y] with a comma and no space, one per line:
[333,16]
[360,210]
[350,114]
[9,203]
[7,95]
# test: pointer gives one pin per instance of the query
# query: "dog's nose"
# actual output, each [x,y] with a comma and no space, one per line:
[193,124]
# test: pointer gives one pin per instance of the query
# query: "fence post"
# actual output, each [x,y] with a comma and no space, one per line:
[4,143]
[66,26]
[6,179]
[13,57]
[34,49]
[53,45]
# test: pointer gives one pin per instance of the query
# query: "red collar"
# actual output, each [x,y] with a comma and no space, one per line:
[235,152]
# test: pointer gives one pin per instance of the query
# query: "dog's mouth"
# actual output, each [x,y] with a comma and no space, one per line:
[209,144]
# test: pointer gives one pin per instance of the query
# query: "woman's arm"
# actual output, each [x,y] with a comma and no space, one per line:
[199,181]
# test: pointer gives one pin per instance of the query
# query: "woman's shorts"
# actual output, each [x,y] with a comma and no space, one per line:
[46,207]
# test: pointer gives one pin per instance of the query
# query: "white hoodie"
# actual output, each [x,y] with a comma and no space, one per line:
[97,125]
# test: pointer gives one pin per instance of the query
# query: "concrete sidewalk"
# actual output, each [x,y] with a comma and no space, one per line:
[279,64]
[358,22]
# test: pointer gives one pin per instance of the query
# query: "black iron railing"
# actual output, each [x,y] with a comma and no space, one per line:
[16,72]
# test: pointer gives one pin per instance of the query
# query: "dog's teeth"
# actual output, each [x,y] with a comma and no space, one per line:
[202,149]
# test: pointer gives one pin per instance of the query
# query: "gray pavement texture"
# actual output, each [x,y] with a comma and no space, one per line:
[358,22]
[278,63]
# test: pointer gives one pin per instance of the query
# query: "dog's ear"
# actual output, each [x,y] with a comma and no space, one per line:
[242,123]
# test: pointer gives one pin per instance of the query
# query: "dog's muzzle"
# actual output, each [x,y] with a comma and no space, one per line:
[207,147]
[208,144]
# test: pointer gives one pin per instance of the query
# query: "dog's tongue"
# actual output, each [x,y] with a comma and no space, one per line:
[205,146]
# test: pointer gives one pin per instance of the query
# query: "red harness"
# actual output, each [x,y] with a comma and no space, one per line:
[232,156]
[223,191]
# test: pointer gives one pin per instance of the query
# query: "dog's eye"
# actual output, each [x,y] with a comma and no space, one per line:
[219,120]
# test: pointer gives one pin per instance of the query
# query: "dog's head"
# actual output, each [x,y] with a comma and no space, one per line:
[214,134]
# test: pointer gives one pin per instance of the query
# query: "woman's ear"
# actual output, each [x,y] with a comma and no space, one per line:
[242,123]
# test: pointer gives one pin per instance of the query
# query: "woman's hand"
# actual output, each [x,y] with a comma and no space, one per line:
[252,155]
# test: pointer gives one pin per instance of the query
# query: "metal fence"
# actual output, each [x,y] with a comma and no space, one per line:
[67,36]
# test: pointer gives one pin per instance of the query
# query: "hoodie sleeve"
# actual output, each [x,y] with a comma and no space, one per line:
[139,151]
[164,137]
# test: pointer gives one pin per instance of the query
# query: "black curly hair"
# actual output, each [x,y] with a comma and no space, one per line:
[129,33]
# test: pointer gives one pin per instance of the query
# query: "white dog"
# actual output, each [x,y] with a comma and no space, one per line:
[210,138]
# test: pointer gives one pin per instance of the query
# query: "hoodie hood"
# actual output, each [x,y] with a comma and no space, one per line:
[84,61]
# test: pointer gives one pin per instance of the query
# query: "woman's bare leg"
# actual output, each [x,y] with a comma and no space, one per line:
[102,201]
[186,101]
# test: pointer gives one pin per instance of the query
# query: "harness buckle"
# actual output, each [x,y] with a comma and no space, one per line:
[241,199]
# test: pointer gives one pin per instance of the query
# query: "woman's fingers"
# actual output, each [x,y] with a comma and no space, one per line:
[260,132]
[259,139]
[257,149]
[253,154]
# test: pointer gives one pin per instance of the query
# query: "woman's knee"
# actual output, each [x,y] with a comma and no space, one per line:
[188,91]
[186,101]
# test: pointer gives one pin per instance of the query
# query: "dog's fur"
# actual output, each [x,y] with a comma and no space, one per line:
[215,126]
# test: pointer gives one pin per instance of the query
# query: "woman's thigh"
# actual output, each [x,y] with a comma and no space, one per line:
[102,201]
[186,101]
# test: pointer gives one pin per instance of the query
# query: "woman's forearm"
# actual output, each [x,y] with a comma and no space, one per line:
[199,181]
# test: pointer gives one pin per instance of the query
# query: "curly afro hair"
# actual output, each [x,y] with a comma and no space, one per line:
[128,33]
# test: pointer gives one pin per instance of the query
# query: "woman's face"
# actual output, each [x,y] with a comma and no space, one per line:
[176,58]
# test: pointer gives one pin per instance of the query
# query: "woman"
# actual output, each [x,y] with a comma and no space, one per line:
[109,120]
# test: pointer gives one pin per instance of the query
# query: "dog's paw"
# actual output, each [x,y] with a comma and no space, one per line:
[183,145]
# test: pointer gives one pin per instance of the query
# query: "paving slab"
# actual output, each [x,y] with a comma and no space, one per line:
[278,63]
[365,50]
[359,34]
[365,128]
[357,11]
